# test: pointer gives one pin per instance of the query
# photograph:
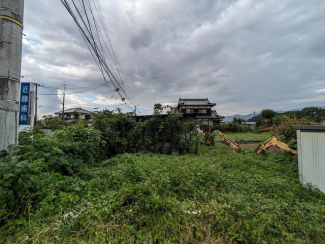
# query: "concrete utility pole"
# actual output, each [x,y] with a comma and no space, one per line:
[36,103]
[11,32]
[63,103]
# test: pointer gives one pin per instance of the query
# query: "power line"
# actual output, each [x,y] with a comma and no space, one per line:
[50,94]
[47,107]
[77,92]
[85,90]
[73,88]
[113,56]
[84,17]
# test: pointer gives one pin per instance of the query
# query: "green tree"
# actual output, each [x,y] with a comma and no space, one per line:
[268,115]
[237,120]
[114,129]
[158,108]
[174,129]
[152,129]
[52,123]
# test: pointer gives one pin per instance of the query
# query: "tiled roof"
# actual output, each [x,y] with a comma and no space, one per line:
[187,101]
[214,115]
[75,110]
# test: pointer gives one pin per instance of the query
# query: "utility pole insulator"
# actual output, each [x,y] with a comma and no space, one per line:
[11,32]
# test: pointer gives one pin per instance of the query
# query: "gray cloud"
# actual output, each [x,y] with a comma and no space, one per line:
[141,39]
[244,55]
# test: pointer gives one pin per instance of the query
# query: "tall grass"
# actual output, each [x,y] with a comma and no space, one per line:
[215,197]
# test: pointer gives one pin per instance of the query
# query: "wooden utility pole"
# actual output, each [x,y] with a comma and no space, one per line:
[11,32]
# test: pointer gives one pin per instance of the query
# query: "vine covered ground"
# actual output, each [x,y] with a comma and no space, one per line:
[247,136]
[217,196]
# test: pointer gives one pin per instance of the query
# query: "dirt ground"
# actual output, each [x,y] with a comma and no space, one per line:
[255,145]
[248,144]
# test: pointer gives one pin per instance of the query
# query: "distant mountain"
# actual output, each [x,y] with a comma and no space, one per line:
[244,117]
[250,116]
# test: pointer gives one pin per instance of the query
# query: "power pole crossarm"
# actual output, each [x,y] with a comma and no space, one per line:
[11,31]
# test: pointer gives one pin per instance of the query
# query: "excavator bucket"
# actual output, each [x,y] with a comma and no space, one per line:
[273,141]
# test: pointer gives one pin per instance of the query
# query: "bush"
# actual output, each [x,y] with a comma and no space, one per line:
[52,123]
[153,127]
[285,127]
[135,137]
[79,143]
[35,170]
[114,129]
[174,129]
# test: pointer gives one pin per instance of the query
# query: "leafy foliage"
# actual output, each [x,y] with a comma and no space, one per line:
[113,129]
[174,129]
[268,115]
[154,126]
[214,197]
[285,127]
[52,123]
[80,143]
[32,172]
[135,137]
[310,113]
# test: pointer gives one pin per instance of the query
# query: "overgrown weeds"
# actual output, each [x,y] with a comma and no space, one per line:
[215,197]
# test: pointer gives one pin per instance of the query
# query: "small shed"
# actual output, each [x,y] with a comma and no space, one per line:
[311,155]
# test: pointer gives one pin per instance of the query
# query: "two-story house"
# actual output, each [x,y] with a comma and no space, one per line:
[199,110]
[71,115]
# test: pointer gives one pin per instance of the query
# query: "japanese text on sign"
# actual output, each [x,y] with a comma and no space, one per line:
[24,103]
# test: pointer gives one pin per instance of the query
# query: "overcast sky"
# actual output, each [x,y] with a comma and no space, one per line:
[243,55]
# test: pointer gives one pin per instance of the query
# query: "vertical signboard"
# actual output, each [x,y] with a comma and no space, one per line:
[24,103]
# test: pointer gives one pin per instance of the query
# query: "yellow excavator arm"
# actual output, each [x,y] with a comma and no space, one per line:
[233,145]
[273,141]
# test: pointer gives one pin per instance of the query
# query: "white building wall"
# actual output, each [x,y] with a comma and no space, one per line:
[311,154]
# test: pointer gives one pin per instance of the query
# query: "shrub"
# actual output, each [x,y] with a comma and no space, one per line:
[285,127]
[34,171]
[153,126]
[79,143]
[174,129]
[135,137]
[52,123]
[114,129]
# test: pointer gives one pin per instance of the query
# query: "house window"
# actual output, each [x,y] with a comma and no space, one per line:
[205,122]
[202,111]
